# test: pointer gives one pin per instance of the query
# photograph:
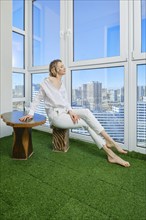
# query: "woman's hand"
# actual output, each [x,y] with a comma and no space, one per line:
[74,117]
[26,118]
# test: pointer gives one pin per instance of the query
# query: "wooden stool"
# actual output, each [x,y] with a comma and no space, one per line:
[60,139]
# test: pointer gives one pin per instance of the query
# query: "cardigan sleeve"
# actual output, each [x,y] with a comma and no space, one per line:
[39,96]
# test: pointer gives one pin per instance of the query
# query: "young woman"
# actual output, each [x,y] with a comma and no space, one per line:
[61,115]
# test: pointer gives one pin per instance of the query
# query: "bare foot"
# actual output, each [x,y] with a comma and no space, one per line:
[118,148]
[119,161]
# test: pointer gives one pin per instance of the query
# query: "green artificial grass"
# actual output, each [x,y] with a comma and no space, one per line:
[77,185]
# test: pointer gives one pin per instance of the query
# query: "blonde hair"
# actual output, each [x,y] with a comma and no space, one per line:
[53,67]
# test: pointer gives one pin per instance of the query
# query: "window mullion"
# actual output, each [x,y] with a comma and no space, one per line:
[124,30]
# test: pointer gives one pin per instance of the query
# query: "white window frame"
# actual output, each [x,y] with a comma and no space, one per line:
[128,58]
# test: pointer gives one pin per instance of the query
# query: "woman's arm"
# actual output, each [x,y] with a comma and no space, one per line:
[34,105]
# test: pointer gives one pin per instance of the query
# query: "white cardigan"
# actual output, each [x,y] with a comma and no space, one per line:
[53,98]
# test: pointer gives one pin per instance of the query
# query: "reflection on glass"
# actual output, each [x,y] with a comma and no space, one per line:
[37,78]
[18,14]
[96,29]
[18,106]
[141,105]
[18,85]
[46,31]
[143,26]
[18,50]
[102,91]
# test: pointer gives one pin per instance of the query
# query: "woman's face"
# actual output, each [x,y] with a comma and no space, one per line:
[61,70]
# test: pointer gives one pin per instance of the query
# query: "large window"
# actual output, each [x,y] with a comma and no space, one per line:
[102,91]
[96,29]
[46,31]
[103,46]
[141,105]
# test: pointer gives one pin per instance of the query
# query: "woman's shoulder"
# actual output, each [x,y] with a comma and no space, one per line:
[43,84]
[45,80]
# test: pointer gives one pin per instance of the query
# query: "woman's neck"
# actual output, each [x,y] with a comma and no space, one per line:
[58,78]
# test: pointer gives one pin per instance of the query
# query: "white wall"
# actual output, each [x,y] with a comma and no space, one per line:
[5,63]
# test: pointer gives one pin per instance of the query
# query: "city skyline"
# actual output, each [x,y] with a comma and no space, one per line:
[20,87]
[84,76]
[108,114]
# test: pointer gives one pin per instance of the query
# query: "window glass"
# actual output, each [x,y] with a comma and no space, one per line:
[46,31]
[18,106]
[18,50]
[96,29]
[37,78]
[141,105]
[102,91]
[18,14]
[18,85]
[143,25]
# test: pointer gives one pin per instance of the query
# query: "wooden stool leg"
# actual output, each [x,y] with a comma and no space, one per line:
[60,140]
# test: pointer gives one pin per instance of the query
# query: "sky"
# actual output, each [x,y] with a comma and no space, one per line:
[96,35]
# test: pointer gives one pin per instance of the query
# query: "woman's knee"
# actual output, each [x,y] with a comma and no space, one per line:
[87,112]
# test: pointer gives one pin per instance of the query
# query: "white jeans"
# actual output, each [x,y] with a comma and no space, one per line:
[61,119]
